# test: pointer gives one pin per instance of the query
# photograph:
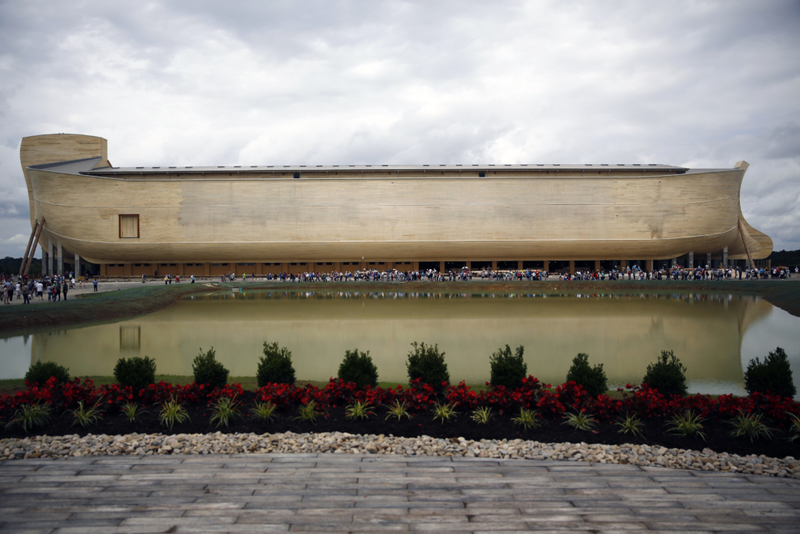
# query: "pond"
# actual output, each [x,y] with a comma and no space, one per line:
[714,335]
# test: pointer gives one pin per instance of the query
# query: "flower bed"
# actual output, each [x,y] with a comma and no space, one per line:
[66,408]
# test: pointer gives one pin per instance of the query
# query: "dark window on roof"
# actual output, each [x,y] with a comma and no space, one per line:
[482,174]
[297,175]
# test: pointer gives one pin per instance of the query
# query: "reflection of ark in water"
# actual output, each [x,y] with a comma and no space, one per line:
[212,220]
[625,333]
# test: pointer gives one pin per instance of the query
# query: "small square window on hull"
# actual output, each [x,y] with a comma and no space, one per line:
[129,226]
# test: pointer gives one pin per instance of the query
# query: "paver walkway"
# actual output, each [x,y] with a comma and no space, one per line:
[365,493]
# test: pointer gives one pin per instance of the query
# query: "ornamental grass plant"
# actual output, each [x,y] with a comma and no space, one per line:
[482,415]
[528,419]
[359,410]
[580,420]
[398,410]
[444,412]
[30,416]
[687,425]
[224,410]
[264,411]
[132,411]
[172,413]
[630,424]
[86,416]
[308,413]
[750,425]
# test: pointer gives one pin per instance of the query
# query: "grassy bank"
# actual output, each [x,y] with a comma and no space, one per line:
[114,305]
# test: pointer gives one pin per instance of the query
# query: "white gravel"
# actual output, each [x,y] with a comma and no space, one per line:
[344,443]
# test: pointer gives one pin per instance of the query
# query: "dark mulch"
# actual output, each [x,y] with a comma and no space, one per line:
[501,427]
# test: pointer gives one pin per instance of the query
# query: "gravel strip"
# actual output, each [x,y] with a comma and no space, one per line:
[345,443]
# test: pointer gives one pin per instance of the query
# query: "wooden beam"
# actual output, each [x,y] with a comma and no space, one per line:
[35,244]
[28,248]
[742,234]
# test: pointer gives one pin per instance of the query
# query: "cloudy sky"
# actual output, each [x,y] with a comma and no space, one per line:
[204,82]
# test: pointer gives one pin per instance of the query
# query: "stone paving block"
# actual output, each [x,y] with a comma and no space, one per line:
[659,506]
[237,528]
[23,500]
[734,505]
[295,504]
[507,508]
[150,529]
[202,521]
[532,507]
[78,523]
[266,515]
[417,504]
[319,527]
[52,490]
[678,526]
[446,527]
[623,493]
[382,517]
[28,517]
[742,518]
[128,514]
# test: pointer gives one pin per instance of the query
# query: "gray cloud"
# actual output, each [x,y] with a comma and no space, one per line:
[203,82]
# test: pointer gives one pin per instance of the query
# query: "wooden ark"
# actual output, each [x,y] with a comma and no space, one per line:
[254,218]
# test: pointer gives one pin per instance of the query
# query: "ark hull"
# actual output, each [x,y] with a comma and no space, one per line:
[380,213]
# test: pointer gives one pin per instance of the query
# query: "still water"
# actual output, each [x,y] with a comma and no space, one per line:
[714,335]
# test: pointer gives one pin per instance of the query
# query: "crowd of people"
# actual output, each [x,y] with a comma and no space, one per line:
[55,287]
[432,275]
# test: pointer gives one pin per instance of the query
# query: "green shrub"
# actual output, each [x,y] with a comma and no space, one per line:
[41,372]
[666,375]
[508,369]
[275,366]
[773,375]
[358,367]
[427,363]
[207,370]
[136,372]
[593,379]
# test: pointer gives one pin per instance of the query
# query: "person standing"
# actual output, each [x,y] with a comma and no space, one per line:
[25,294]
[64,288]
[39,289]
[94,283]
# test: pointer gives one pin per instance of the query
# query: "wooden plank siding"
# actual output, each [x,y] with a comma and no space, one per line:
[406,215]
